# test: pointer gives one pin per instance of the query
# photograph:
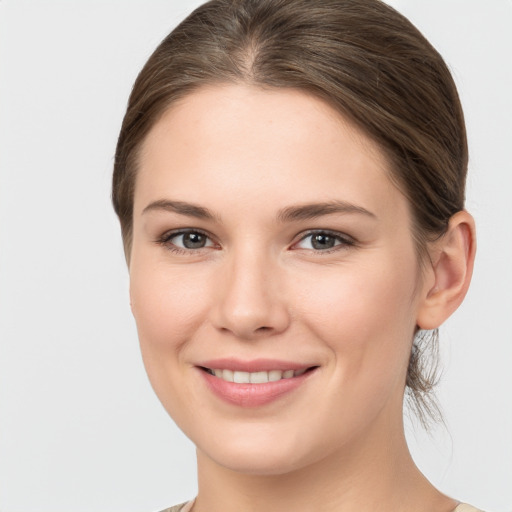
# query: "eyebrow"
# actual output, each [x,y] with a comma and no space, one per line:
[288,214]
[182,208]
[315,210]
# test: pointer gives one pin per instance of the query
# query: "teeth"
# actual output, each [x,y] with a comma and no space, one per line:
[242,377]
[258,377]
[274,375]
[227,375]
[255,377]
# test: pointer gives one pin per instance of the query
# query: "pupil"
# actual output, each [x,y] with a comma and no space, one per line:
[323,242]
[194,240]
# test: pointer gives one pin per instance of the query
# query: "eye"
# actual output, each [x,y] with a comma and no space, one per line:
[323,241]
[186,240]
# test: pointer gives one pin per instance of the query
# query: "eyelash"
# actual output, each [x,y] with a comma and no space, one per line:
[165,241]
[344,241]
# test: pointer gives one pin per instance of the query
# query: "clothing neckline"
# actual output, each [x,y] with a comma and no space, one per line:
[461,507]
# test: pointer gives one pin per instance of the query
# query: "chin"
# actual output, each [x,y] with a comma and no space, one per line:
[256,463]
[263,454]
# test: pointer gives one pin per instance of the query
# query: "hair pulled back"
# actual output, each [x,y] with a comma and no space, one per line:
[363,58]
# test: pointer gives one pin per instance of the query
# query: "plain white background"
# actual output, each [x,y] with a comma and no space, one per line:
[80,428]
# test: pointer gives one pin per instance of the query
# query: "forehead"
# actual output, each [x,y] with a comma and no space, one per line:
[228,140]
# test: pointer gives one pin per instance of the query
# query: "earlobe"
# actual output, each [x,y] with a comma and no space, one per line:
[452,268]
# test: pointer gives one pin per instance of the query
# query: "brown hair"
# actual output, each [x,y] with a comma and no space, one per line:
[362,57]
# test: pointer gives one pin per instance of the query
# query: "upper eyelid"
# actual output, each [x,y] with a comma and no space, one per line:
[330,232]
[168,235]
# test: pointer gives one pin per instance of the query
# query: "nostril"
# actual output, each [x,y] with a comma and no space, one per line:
[263,329]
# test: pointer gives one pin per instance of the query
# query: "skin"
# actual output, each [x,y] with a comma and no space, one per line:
[259,288]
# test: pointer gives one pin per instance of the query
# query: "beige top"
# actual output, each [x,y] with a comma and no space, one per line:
[187,507]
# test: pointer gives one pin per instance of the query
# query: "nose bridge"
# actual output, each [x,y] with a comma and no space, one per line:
[251,300]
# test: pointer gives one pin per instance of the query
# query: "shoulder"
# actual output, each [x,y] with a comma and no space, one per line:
[183,507]
[466,508]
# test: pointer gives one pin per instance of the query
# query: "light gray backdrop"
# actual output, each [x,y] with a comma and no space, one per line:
[80,428]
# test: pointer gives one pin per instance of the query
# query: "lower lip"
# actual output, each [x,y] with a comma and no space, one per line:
[253,395]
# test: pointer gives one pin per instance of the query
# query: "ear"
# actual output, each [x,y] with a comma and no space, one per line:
[452,260]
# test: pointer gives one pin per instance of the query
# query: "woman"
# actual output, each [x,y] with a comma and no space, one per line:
[289,179]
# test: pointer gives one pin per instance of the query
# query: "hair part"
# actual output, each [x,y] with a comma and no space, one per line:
[362,57]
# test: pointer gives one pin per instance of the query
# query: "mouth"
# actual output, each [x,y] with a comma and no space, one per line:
[259,377]
[254,383]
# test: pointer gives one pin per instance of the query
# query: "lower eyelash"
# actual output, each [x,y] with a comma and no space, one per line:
[345,241]
[164,240]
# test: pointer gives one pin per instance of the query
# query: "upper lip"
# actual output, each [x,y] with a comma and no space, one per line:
[254,365]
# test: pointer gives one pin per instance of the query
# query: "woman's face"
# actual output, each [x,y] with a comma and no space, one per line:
[271,249]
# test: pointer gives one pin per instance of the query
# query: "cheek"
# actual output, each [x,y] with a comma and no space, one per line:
[365,314]
[169,310]
[168,306]
[365,317]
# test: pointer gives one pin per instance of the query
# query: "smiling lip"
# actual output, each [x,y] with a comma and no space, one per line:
[252,387]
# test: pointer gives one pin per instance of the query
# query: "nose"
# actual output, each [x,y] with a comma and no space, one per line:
[250,300]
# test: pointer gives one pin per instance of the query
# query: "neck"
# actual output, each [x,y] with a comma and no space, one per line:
[376,473]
